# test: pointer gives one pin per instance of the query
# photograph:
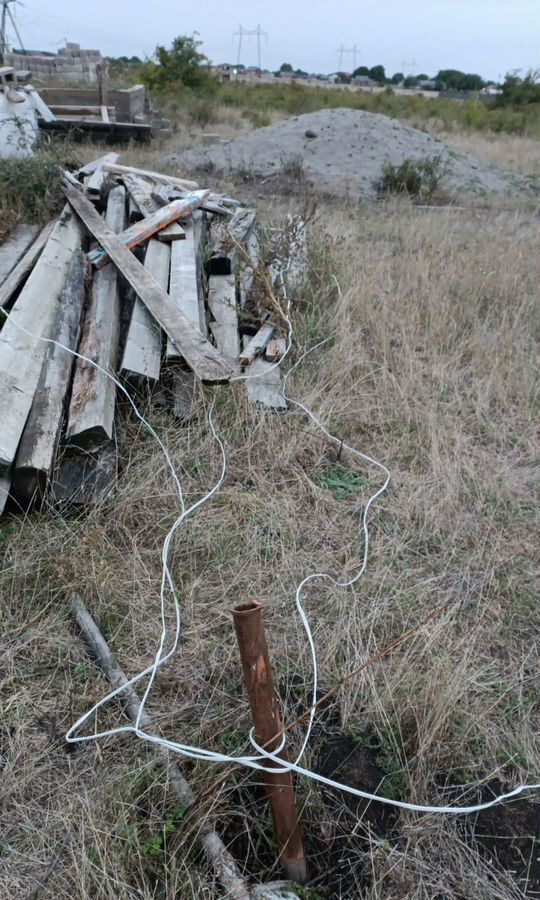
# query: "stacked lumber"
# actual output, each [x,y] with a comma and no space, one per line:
[147,278]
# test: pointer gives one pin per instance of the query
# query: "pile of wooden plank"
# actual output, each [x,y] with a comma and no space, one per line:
[149,278]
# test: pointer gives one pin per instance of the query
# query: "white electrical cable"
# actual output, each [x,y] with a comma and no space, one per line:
[199,753]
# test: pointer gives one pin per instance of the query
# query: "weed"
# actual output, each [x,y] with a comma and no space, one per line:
[419,180]
[341,480]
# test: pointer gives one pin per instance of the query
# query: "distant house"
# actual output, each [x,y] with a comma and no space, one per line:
[252,72]
[225,71]
[427,85]
[491,90]
[364,81]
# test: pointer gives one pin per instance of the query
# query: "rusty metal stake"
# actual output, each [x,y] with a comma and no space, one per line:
[259,681]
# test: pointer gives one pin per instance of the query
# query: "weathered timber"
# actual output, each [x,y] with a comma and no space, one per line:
[15,247]
[222,251]
[91,167]
[256,345]
[42,430]
[95,129]
[21,356]
[93,396]
[140,193]
[182,183]
[142,352]
[222,304]
[275,349]
[222,862]
[296,270]
[25,265]
[139,232]
[5,486]
[264,386]
[248,270]
[199,354]
[184,291]
[81,478]
[94,185]
[79,111]
[39,104]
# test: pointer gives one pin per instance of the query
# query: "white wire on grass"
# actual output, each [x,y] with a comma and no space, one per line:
[198,753]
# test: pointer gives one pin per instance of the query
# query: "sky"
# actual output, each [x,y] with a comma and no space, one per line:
[490,37]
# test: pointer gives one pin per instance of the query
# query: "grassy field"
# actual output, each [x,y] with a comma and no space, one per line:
[434,317]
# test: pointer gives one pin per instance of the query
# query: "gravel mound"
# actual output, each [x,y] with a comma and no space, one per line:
[342,151]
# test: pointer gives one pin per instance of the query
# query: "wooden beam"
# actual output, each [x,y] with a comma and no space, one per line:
[222,253]
[5,486]
[222,304]
[93,396]
[91,167]
[275,349]
[81,478]
[139,232]
[15,246]
[39,441]
[39,104]
[256,345]
[105,114]
[141,193]
[182,183]
[199,354]
[25,265]
[142,353]
[266,389]
[21,355]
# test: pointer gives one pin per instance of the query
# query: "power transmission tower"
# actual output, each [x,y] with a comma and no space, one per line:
[7,14]
[253,32]
[342,51]
[411,63]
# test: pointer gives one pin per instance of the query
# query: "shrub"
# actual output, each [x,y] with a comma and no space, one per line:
[416,179]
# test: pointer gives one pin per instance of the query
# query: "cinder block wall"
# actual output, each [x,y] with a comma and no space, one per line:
[70,65]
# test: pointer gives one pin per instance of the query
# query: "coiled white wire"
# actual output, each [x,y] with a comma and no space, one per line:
[200,753]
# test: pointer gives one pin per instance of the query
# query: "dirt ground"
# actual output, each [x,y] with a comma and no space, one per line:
[434,320]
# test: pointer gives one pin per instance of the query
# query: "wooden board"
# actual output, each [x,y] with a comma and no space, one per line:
[21,355]
[81,478]
[39,105]
[93,396]
[140,192]
[142,353]
[139,232]
[199,354]
[5,485]
[222,252]
[14,248]
[266,389]
[82,129]
[184,289]
[41,434]
[182,183]
[91,167]
[256,344]
[222,304]
[25,265]
[275,349]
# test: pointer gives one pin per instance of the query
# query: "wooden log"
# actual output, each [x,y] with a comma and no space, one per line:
[14,248]
[256,345]
[142,352]
[39,441]
[199,354]
[140,231]
[222,304]
[25,265]
[182,183]
[222,862]
[222,253]
[21,356]
[93,396]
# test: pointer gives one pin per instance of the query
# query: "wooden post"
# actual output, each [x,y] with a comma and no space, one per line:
[259,681]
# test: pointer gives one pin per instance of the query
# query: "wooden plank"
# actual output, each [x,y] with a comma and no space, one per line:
[199,354]
[61,110]
[183,288]
[182,183]
[222,303]
[142,353]
[81,478]
[98,130]
[222,253]
[40,438]
[21,355]
[5,486]
[140,191]
[39,104]
[264,387]
[93,396]
[25,265]
[275,349]
[248,280]
[15,246]
[105,114]
[94,185]
[140,231]
[255,346]
[296,270]
[91,167]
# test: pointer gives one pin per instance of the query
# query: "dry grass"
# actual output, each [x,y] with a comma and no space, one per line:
[507,151]
[432,369]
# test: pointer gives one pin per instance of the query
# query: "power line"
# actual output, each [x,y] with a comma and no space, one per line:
[7,14]
[246,32]
[409,62]
[342,50]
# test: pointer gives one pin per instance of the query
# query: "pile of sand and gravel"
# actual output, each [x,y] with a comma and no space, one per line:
[342,152]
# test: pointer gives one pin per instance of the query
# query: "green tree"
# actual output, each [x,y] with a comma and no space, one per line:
[182,64]
[361,70]
[377,73]
[286,67]
[397,78]
[455,80]
[517,91]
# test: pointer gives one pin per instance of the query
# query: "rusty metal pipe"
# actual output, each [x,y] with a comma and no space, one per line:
[259,681]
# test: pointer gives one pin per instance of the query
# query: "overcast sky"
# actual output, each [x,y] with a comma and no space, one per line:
[490,37]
